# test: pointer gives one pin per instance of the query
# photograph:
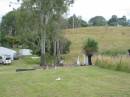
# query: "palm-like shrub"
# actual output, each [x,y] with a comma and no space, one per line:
[90,47]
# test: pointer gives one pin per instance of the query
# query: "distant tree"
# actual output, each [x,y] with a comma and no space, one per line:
[8,29]
[97,21]
[113,21]
[129,22]
[76,21]
[123,21]
[8,24]
[90,47]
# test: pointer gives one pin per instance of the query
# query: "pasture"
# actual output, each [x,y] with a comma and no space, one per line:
[89,81]
[112,41]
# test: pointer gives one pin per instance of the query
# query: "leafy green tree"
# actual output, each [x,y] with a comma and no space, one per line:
[8,29]
[10,41]
[97,21]
[90,47]
[46,11]
[8,24]
[113,21]
[123,21]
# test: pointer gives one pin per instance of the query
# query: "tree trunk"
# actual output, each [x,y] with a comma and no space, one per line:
[55,52]
[43,39]
[89,59]
[58,52]
[43,51]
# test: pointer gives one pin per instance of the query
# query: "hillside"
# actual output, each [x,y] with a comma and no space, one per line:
[111,40]
[89,81]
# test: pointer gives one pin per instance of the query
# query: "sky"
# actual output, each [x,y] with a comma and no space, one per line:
[90,8]
[86,8]
[4,6]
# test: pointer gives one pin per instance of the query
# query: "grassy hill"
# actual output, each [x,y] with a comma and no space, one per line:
[75,82]
[112,40]
[90,81]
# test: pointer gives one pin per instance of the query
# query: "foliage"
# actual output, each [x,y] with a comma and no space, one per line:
[36,24]
[65,44]
[48,16]
[123,21]
[90,46]
[8,24]
[115,21]
[97,21]
[76,22]
[33,43]
[10,41]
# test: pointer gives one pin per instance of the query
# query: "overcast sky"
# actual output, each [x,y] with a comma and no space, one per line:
[106,8]
[88,8]
[4,6]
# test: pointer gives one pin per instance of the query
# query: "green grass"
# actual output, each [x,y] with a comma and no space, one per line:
[119,63]
[112,40]
[25,62]
[76,82]
[90,81]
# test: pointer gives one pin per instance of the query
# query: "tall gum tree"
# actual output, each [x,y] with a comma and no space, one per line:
[46,10]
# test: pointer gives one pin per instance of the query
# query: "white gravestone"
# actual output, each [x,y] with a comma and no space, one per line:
[85,60]
[78,61]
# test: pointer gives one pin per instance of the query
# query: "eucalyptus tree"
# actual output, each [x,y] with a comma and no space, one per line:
[46,11]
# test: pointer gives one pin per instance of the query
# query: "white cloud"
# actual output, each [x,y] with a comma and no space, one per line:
[106,8]
[5,8]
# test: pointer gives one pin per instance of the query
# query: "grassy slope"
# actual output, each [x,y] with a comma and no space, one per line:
[114,39]
[76,82]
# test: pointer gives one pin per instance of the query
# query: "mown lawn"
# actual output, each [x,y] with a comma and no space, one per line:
[88,81]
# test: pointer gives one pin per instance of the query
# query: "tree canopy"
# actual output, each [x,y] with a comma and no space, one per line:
[75,22]
[115,21]
[48,16]
[97,21]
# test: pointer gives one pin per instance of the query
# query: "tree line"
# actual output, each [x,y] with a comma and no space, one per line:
[77,21]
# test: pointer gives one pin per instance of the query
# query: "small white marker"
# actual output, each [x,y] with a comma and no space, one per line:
[58,79]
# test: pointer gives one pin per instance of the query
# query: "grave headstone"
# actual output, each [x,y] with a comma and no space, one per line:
[85,62]
[78,61]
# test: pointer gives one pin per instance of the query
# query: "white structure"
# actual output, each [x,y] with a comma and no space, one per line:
[78,61]
[85,61]
[7,52]
[25,52]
